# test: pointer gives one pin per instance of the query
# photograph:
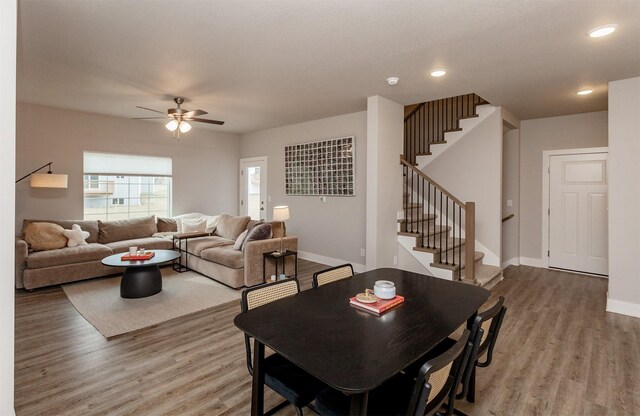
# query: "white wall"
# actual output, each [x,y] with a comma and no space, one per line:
[331,231]
[8,25]
[385,129]
[624,197]
[471,169]
[554,133]
[205,162]
[511,191]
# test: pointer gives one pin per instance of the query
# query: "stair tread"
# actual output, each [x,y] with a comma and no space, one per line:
[469,116]
[486,275]
[429,231]
[452,130]
[426,217]
[423,154]
[448,243]
[478,256]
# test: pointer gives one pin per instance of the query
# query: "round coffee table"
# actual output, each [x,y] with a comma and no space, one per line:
[141,278]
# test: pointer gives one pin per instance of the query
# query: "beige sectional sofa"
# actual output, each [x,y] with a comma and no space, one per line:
[213,256]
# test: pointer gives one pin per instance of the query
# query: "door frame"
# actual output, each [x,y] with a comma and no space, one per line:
[546,198]
[266,168]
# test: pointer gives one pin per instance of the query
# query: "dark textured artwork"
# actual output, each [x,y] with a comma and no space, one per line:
[325,167]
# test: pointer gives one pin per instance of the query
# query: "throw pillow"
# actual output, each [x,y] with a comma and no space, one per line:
[259,232]
[231,227]
[240,240]
[112,231]
[75,236]
[42,236]
[167,225]
[194,225]
[212,223]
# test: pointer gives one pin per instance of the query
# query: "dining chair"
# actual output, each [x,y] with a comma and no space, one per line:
[332,274]
[285,378]
[487,324]
[404,395]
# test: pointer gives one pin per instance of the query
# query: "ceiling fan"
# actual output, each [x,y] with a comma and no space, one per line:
[179,117]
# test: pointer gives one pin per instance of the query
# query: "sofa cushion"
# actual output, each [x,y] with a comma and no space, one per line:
[148,243]
[231,227]
[111,231]
[196,245]
[68,255]
[167,225]
[224,255]
[86,225]
[44,236]
[240,240]
[259,232]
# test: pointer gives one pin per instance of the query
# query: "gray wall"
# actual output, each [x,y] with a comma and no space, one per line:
[624,197]
[8,25]
[205,162]
[511,191]
[336,228]
[554,133]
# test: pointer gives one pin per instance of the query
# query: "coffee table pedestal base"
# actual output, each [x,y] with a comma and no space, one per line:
[140,282]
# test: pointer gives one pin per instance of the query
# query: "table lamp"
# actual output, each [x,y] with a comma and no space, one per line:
[281,214]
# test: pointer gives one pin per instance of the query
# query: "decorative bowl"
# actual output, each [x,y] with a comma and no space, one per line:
[384,289]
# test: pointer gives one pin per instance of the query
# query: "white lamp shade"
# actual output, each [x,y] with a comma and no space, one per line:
[48,180]
[172,125]
[281,213]
[184,127]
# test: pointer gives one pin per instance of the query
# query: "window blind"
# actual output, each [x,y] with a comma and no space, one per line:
[99,163]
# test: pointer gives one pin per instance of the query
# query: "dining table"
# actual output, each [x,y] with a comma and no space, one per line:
[349,349]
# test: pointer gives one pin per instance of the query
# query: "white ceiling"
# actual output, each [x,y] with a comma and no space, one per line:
[261,64]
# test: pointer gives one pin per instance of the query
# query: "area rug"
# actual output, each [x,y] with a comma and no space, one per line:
[99,301]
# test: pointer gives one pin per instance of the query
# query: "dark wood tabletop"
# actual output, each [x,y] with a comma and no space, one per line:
[354,351]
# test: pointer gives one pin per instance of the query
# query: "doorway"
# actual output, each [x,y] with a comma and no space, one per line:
[253,187]
[578,212]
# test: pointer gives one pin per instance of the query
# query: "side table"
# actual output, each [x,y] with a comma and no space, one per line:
[178,265]
[277,256]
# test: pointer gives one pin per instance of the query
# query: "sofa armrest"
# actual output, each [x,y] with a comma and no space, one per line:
[22,252]
[253,273]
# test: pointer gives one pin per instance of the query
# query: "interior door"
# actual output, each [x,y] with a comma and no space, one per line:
[578,226]
[253,187]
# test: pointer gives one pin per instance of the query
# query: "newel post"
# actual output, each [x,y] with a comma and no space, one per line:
[470,241]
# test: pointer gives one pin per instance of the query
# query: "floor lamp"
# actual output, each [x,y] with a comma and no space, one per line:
[281,214]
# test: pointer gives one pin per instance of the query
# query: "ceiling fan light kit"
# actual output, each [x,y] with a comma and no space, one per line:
[179,117]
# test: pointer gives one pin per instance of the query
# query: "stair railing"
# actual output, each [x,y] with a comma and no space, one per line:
[423,197]
[428,122]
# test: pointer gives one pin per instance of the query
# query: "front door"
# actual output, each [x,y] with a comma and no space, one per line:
[253,187]
[578,227]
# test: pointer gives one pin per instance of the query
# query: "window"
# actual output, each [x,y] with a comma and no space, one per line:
[119,186]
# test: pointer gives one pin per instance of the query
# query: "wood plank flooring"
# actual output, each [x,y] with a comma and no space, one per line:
[559,353]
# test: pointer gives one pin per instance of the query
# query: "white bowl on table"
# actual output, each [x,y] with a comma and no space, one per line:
[384,289]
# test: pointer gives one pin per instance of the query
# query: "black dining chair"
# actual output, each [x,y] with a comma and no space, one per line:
[404,395]
[486,323]
[285,378]
[332,274]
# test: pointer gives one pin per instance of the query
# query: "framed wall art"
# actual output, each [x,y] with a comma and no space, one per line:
[325,167]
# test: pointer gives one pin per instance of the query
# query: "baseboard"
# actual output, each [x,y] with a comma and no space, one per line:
[533,262]
[330,261]
[623,308]
[511,262]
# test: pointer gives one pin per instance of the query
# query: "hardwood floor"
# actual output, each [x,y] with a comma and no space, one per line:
[559,353]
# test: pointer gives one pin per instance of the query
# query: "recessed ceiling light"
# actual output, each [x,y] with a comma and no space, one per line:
[586,91]
[600,31]
[438,72]
[392,80]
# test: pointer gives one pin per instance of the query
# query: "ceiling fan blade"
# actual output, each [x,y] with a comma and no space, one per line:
[145,118]
[204,120]
[194,113]
[151,109]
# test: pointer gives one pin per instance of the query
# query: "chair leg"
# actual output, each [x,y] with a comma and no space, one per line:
[298,411]
[276,408]
[471,393]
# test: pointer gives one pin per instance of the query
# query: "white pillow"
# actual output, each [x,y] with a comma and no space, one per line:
[238,244]
[193,225]
[75,236]
[212,223]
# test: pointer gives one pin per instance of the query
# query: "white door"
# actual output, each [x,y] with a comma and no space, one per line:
[578,213]
[253,187]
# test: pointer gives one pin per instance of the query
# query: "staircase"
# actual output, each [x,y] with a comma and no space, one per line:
[437,227]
